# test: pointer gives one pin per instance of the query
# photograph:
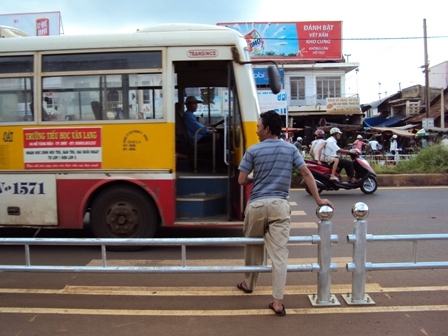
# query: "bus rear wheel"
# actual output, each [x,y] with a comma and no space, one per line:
[123,212]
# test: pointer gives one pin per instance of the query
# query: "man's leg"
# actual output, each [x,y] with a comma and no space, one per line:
[276,239]
[348,166]
[334,168]
[254,226]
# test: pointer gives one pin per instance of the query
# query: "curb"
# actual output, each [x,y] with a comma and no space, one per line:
[412,180]
[398,180]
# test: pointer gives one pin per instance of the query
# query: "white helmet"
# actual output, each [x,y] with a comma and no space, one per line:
[359,136]
[299,139]
[394,136]
[335,130]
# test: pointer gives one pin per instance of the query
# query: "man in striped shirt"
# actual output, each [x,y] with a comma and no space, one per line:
[268,212]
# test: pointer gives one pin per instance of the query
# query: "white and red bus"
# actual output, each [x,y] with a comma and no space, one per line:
[92,125]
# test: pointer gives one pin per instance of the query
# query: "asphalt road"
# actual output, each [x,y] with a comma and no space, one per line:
[407,302]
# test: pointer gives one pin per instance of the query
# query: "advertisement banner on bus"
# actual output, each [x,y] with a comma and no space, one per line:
[62,148]
[314,40]
[34,24]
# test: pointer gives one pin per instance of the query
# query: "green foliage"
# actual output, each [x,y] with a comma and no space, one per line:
[430,160]
[295,173]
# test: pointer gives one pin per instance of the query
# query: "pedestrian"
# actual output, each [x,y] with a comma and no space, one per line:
[268,165]
[359,143]
[301,148]
[394,148]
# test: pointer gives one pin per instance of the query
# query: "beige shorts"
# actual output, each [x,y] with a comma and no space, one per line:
[327,159]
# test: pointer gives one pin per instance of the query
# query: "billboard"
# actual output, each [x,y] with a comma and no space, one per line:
[314,40]
[261,76]
[270,101]
[34,24]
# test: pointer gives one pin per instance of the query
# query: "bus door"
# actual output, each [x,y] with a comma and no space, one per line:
[205,193]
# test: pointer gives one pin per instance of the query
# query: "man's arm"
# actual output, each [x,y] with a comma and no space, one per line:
[245,178]
[311,151]
[319,153]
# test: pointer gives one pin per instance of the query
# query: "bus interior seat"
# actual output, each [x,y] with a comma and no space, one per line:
[183,146]
[97,109]
[119,114]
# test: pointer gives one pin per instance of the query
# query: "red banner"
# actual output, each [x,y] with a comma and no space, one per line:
[316,40]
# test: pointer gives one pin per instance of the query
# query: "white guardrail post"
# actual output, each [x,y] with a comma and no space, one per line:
[358,268]
[324,296]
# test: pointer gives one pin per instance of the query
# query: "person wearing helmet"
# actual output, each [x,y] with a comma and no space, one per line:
[316,144]
[298,143]
[329,151]
[394,148]
[359,143]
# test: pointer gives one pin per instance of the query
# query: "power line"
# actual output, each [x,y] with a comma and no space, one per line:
[355,38]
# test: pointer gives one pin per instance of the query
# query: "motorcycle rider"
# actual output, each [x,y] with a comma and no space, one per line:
[315,144]
[328,152]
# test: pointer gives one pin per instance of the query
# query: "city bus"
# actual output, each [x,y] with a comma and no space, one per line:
[92,129]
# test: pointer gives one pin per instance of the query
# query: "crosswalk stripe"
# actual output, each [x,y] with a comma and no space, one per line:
[208,291]
[303,225]
[298,213]
[238,312]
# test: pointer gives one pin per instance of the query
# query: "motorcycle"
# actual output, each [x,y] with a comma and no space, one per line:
[364,173]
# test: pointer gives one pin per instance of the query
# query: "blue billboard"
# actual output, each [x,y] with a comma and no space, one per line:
[261,76]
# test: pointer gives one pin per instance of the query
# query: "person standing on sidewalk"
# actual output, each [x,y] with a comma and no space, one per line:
[268,211]
[394,148]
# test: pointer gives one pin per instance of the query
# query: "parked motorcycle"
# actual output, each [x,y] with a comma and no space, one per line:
[363,172]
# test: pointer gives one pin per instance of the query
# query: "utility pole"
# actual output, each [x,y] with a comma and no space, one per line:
[427,101]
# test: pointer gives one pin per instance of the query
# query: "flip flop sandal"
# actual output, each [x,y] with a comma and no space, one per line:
[245,290]
[280,313]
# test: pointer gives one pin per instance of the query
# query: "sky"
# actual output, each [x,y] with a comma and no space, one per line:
[385,36]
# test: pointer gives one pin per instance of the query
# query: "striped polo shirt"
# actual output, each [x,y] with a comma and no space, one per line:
[272,161]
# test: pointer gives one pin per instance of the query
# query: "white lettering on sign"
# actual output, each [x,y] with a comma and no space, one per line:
[203,53]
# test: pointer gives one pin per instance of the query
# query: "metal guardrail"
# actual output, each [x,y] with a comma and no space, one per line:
[182,242]
[323,267]
[359,266]
[385,158]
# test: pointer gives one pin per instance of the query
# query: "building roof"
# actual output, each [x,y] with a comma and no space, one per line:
[434,111]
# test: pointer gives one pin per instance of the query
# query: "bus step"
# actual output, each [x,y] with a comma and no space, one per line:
[198,184]
[200,205]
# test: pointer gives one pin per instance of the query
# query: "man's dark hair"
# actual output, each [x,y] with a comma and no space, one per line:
[273,120]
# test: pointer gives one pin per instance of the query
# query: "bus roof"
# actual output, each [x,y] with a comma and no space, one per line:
[6,31]
[176,34]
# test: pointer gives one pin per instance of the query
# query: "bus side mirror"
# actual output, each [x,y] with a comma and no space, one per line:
[274,79]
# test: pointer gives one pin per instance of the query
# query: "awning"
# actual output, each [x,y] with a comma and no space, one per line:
[393,130]
[437,129]
[342,127]
[382,122]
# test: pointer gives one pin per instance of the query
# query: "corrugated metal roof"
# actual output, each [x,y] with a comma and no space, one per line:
[434,111]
